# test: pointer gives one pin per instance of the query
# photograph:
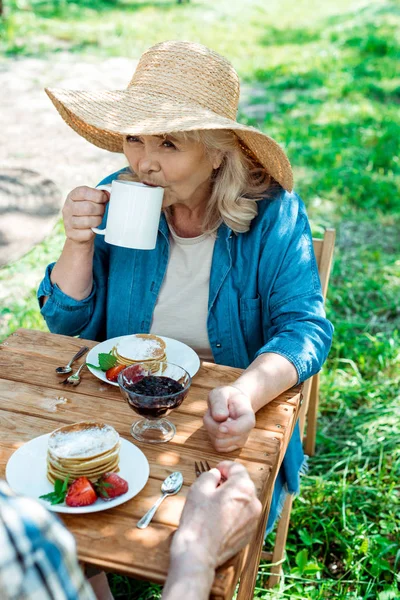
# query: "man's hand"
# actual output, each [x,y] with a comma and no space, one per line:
[229,418]
[218,519]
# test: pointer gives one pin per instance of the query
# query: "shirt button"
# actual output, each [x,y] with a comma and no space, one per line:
[218,345]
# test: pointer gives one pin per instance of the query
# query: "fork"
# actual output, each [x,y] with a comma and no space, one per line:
[203,468]
[74,379]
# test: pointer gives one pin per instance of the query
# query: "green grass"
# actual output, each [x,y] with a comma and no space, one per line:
[326,77]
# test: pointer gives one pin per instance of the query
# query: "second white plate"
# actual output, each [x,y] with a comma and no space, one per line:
[177,353]
[26,474]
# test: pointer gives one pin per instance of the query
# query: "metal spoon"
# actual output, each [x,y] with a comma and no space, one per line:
[170,486]
[68,368]
[75,378]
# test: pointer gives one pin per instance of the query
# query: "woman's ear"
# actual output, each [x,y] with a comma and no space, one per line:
[216,159]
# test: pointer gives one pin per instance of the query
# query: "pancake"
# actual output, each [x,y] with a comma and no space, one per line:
[98,461]
[142,347]
[93,474]
[84,449]
[83,440]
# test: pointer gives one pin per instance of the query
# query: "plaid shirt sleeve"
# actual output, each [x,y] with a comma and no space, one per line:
[38,558]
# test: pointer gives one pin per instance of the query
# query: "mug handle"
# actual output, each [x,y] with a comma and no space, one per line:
[107,187]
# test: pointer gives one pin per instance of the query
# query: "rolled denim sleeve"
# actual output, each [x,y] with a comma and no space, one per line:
[62,313]
[295,325]
[84,318]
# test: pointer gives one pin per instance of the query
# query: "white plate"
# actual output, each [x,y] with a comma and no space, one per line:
[26,474]
[177,353]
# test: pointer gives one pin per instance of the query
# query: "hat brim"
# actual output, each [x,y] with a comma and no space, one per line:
[105,118]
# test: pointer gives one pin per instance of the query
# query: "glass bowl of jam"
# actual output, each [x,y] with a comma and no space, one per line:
[152,391]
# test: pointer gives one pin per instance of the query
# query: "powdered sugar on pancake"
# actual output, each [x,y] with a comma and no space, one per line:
[137,348]
[83,444]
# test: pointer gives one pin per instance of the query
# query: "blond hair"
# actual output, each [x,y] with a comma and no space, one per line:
[237,184]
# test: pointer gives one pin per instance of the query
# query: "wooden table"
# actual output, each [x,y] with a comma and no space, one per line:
[33,403]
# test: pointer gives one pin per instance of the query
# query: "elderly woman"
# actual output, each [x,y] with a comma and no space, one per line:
[233,273]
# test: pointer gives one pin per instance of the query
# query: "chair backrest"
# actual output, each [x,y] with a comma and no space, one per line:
[323,249]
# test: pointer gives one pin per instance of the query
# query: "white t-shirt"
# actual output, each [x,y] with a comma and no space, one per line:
[182,305]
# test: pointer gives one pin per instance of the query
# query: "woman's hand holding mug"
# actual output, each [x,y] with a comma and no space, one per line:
[133,215]
[83,209]
[132,220]
[229,418]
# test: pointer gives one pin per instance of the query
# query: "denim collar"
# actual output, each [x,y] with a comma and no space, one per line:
[163,227]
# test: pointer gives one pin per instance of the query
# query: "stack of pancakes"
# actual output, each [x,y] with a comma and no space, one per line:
[141,348]
[84,449]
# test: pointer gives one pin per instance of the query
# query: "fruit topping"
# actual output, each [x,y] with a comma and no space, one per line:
[133,374]
[81,493]
[111,485]
[155,386]
[112,374]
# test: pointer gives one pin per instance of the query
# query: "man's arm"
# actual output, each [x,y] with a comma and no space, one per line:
[218,520]
[188,579]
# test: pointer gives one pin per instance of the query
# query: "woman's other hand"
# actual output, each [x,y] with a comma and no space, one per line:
[229,418]
[218,518]
[83,209]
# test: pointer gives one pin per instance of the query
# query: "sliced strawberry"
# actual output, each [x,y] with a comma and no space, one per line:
[135,373]
[112,374]
[111,485]
[81,493]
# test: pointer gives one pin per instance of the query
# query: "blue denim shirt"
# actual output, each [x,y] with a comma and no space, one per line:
[264,296]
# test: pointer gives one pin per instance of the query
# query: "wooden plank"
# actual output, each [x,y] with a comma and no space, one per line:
[40,401]
[250,570]
[19,367]
[280,543]
[18,428]
[38,345]
[43,343]
[19,364]
[58,349]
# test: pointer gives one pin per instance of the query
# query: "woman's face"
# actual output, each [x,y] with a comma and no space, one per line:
[181,167]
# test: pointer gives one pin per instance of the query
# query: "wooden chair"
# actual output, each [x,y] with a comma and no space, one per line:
[323,249]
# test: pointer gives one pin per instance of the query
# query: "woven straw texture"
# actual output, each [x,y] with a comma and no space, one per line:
[177,86]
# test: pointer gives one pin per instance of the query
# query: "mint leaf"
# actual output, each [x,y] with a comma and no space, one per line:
[106,361]
[94,366]
[53,498]
[60,491]
[49,496]
[58,485]
[59,500]
[65,485]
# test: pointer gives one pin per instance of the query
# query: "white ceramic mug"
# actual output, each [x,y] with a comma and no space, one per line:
[133,214]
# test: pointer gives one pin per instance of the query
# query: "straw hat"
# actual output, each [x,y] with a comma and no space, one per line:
[177,86]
